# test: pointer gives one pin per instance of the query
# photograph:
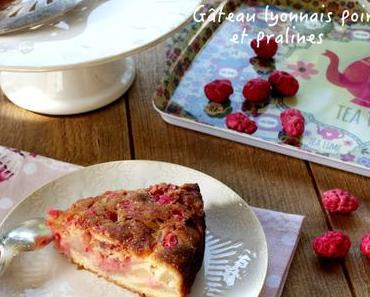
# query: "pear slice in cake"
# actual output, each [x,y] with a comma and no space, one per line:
[150,241]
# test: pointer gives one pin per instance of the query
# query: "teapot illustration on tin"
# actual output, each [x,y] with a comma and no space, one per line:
[355,78]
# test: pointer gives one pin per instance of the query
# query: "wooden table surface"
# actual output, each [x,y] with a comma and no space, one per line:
[131,129]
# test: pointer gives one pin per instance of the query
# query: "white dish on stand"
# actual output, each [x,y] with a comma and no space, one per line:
[82,62]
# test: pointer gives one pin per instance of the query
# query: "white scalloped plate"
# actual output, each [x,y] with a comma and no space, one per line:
[236,251]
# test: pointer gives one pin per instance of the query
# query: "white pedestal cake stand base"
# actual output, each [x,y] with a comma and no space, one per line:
[69,92]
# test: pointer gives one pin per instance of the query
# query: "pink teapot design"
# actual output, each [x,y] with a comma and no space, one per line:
[355,78]
[329,133]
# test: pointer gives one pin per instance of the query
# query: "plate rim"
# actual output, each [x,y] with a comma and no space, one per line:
[240,200]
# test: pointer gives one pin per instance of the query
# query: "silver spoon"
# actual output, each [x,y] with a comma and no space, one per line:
[20,14]
[29,236]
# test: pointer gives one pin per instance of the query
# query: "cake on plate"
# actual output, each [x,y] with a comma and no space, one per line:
[149,241]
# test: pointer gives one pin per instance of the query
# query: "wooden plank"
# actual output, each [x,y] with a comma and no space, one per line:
[263,178]
[356,225]
[86,139]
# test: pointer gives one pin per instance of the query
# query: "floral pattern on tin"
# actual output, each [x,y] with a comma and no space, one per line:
[303,69]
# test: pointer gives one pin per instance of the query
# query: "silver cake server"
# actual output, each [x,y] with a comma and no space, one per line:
[20,14]
[29,236]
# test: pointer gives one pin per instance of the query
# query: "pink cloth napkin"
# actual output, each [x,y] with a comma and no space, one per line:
[22,173]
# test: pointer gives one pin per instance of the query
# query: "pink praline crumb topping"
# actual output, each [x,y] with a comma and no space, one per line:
[170,240]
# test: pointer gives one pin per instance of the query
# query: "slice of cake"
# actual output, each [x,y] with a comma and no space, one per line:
[149,241]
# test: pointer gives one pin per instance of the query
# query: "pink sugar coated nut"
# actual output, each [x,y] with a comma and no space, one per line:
[284,83]
[365,245]
[332,244]
[240,122]
[339,201]
[266,49]
[257,90]
[293,122]
[291,113]
[219,90]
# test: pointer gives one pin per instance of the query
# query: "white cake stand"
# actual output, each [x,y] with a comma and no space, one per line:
[82,62]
